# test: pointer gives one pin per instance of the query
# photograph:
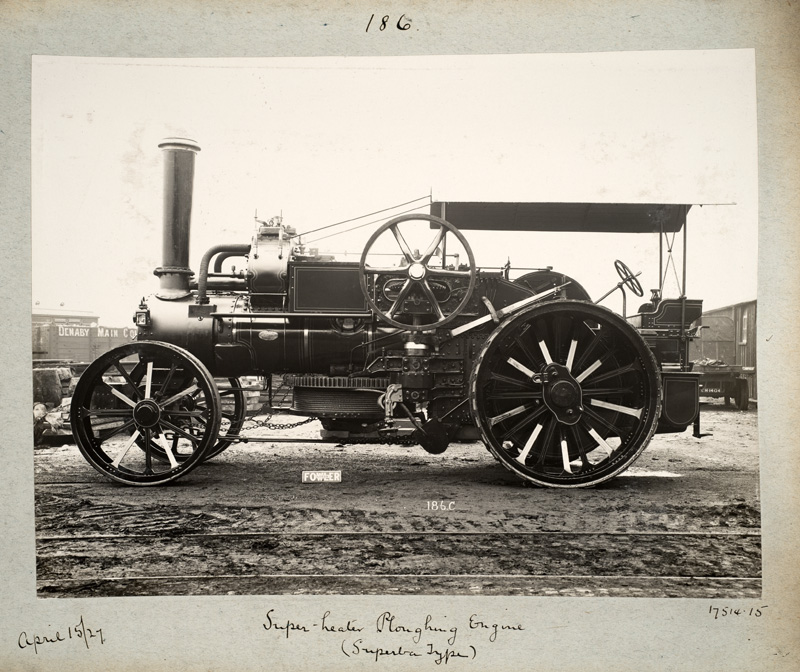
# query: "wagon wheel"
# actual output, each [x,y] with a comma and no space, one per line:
[154,391]
[417,274]
[233,410]
[742,394]
[566,394]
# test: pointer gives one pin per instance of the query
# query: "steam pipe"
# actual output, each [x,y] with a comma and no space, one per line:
[202,276]
[174,273]
[223,256]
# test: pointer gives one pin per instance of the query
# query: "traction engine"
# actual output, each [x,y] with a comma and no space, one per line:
[412,343]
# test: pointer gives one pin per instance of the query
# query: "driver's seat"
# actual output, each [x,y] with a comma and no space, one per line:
[666,314]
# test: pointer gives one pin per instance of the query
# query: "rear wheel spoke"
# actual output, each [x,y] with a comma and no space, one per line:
[597,403]
[524,423]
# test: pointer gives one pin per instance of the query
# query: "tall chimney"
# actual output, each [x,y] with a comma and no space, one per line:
[174,273]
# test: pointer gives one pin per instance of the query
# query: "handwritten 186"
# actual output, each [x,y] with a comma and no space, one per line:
[402,23]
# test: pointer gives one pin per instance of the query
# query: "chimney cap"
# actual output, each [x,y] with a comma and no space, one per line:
[179,143]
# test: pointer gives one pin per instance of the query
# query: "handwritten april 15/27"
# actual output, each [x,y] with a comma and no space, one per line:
[78,633]
[387,624]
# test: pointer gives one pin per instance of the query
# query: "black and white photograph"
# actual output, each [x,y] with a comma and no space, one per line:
[470,325]
[399,337]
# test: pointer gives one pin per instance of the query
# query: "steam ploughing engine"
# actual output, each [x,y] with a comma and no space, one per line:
[412,342]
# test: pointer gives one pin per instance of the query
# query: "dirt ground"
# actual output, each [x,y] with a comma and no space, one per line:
[682,522]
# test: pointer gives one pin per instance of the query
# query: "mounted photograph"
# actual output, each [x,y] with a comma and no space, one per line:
[446,325]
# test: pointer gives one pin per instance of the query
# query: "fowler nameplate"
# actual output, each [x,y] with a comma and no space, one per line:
[322,477]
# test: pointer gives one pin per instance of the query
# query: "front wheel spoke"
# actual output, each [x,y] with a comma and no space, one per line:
[148,381]
[128,379]
[164,444]
[167,380]
[179,395]
[148,448]
[103,437]
[119,395]
[426,289]
[125,449]
[181,432]
[106,412]
[198,414]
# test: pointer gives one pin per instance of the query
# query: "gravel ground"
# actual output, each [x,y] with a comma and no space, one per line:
[683,521]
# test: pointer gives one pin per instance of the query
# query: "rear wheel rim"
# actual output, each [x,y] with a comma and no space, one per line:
[593,414]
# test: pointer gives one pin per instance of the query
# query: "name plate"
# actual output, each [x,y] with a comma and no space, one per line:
[322,477]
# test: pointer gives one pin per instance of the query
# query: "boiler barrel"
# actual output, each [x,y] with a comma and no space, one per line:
[274,345]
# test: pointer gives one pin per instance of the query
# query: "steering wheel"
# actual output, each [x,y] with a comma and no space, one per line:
[627,276]
[415,275]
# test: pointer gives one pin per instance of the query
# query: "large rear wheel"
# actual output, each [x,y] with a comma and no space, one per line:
[156,395]
[566,394]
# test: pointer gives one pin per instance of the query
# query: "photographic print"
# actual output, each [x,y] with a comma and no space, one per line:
[429,325]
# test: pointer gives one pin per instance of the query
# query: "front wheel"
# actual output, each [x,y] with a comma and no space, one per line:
[566,394]
[155,395]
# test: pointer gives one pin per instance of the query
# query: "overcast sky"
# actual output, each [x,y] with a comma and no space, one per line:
[326,139]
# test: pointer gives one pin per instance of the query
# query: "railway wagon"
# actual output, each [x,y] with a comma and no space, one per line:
[72,336]
[63,343]
[413,342]
[725,354]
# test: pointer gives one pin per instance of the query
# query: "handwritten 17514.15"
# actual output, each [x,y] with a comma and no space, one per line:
[403,23]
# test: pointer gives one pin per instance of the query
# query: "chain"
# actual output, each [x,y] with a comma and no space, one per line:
[266,424]
[384,439]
